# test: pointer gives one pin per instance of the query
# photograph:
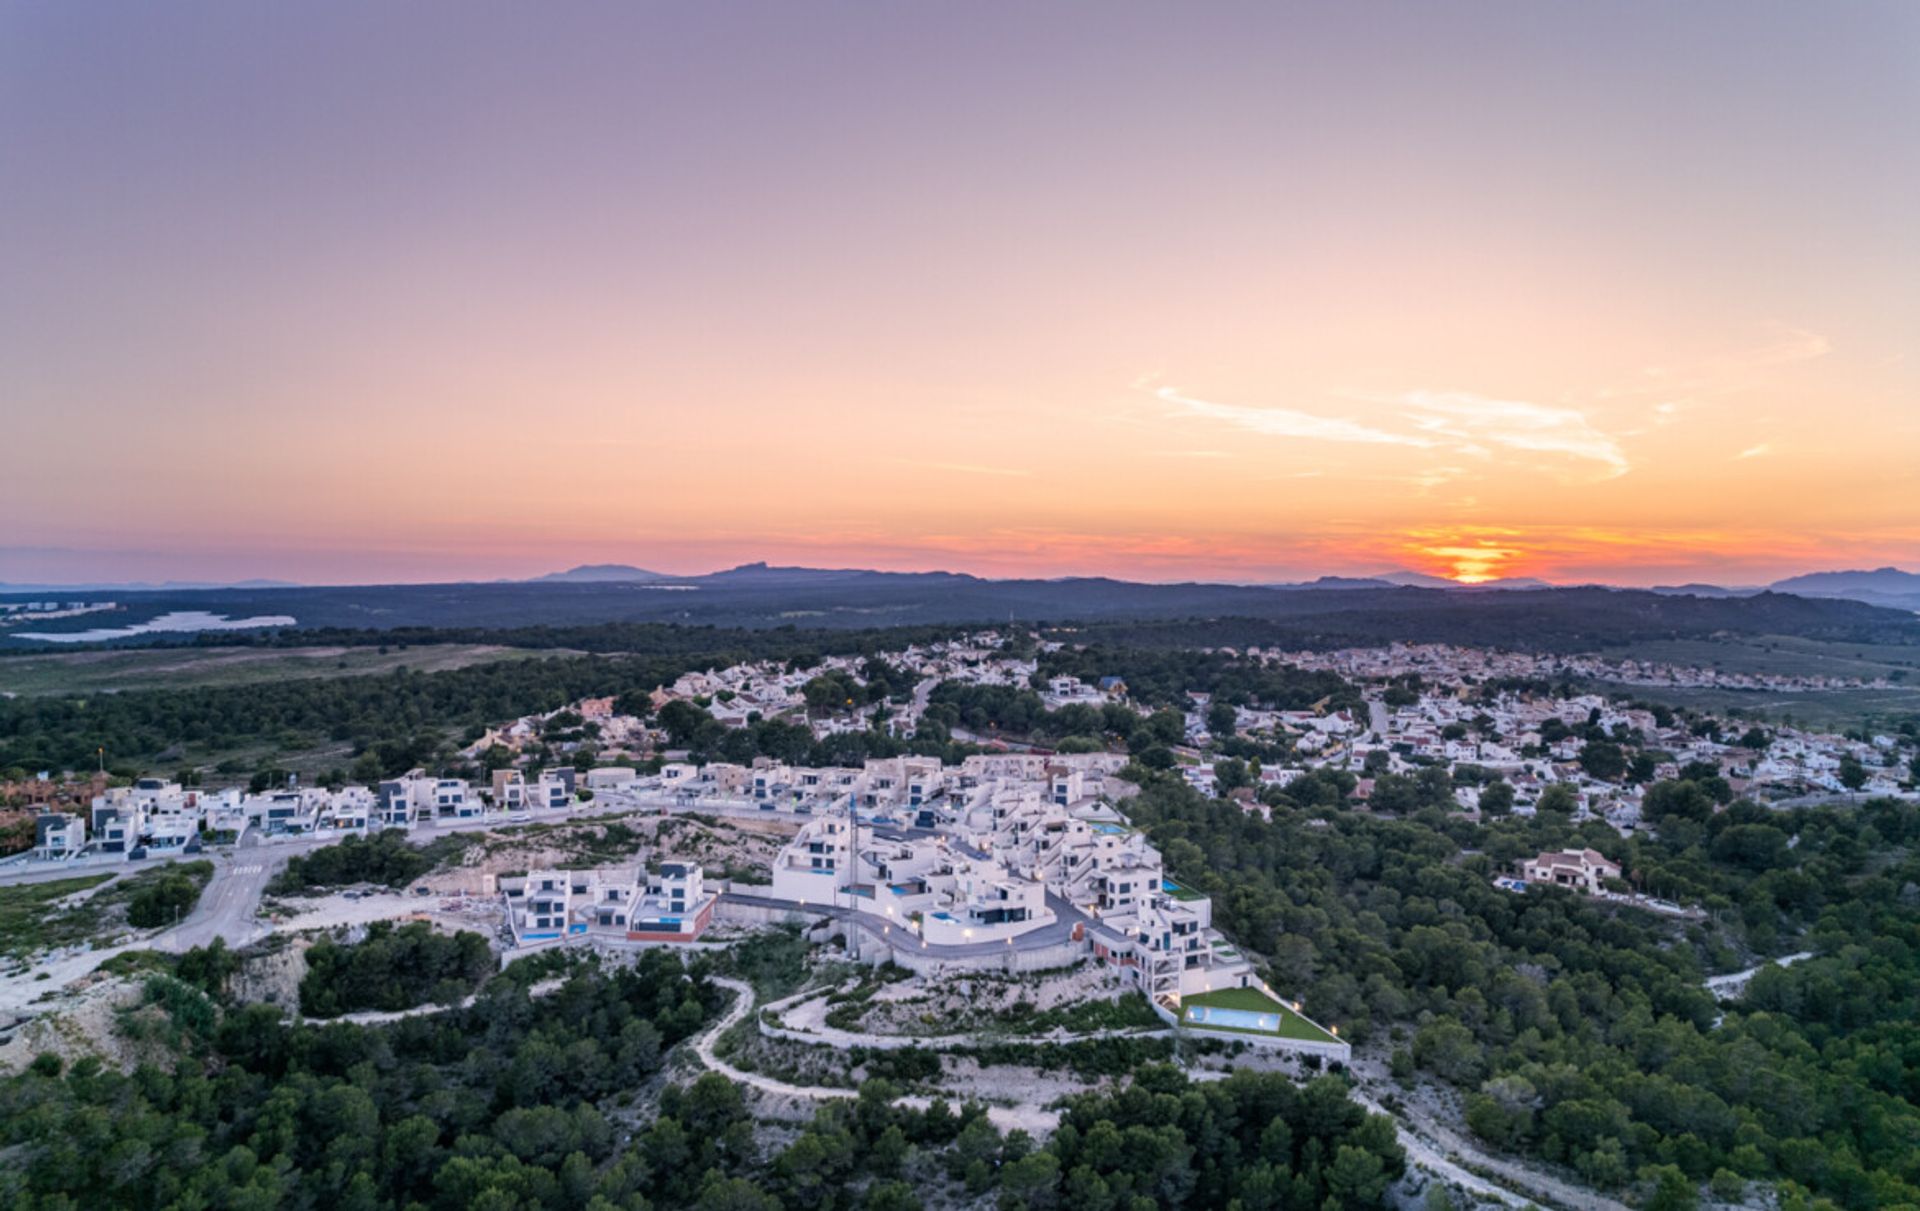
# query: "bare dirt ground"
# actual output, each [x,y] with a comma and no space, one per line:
[983,1000]
[482,914]
[717,844]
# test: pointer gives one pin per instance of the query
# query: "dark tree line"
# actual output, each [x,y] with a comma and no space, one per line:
[392,968]
[517,1104]
[1580,1031]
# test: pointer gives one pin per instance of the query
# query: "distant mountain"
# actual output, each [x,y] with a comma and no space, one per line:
[1423,580]
[771,576]
[1335,582]
[559,613]
[1838,584]
[600,573]
[1889,587]
[1704,590]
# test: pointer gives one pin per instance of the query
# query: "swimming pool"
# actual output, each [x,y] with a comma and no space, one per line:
[1238,1019]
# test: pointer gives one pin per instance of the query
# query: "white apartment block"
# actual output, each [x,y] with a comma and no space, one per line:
[621,904]
[1017,834]
[58,836]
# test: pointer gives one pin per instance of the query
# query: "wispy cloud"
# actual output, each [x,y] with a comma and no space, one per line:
[1754,451]
[1291,422]
[1724,373]
[1477,420]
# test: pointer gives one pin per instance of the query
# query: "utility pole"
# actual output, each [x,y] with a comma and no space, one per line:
[853,873]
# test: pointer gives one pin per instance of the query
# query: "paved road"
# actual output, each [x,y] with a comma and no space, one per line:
[229,907]
[1033,1119]
[1058,933]
[1377,714]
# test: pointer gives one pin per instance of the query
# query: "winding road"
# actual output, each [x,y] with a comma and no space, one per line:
[1444,1152]
[1030,1118]
[1734,983]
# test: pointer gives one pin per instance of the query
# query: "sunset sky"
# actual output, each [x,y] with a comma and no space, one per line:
[343,293]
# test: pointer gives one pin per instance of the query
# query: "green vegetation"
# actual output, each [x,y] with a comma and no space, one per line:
[1021,713]
[385,858]
[29,922]
[1778,655]
[175,668]
[1579,1032]
[1129,1011]
[393,969]
[503,1106]
[31,919]
[1163,678]
[384,724]
[1252,1140]
[1819,709]
[1289,1025]
[496,1098]
[164,896]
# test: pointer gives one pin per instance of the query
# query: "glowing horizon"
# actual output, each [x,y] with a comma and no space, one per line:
[1234,293]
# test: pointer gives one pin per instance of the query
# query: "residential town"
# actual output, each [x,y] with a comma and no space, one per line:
[1429,707]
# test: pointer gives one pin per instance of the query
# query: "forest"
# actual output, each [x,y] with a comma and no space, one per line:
[402,719]
[557,1103]
[385,858]
[392,968]
[1581,1032]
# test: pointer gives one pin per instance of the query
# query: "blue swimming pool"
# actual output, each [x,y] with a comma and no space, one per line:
[1239,1019]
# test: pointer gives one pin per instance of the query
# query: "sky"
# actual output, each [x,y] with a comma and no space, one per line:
[353,293]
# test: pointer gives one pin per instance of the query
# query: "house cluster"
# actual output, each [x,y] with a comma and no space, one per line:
[1533,740]
[1066,691]
[619,904]
[1004,845]
[153,817]
[1446,661]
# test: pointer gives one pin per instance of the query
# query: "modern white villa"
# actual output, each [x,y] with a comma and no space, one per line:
[619,904]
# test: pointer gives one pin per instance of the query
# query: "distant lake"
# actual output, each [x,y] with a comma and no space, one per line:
[178,622]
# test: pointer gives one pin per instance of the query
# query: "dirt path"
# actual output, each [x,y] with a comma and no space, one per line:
[1033,1119]
[374,1017]
[807,1014]
[1438,1148]
[1735,982]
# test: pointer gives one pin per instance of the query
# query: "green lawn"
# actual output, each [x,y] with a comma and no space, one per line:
[1788,656]
[178,668]
[1292,1025]
[1829,710]
[1782,655]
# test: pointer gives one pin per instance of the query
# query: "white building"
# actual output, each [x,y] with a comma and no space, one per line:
[621,904]
[1584,870]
